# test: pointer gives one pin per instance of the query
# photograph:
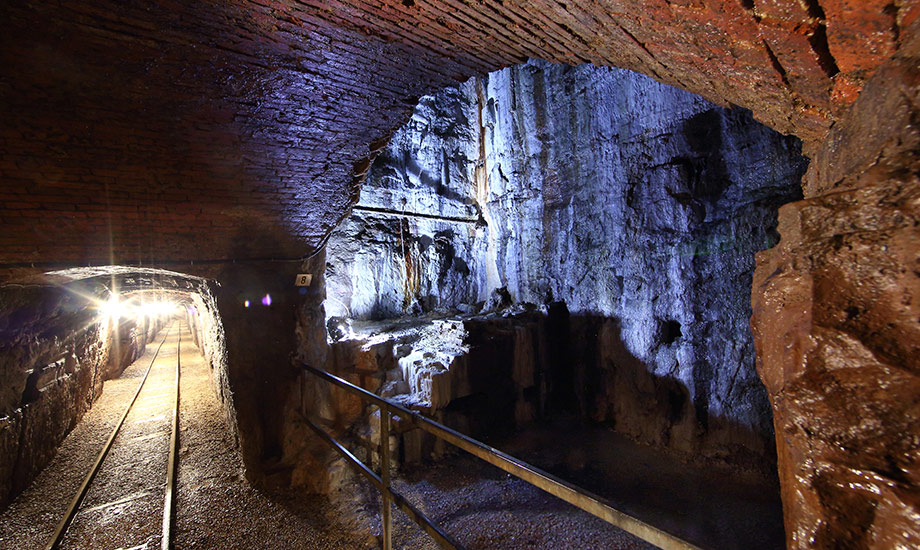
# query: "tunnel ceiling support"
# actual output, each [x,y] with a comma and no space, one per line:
[153,132]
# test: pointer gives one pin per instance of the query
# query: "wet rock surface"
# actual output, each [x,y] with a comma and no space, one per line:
[607,194]
[837,326]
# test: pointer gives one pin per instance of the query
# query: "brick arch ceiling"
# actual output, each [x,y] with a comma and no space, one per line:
[174,131]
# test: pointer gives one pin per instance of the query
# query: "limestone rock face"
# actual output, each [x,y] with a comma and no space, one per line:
[409,241]
[619,196]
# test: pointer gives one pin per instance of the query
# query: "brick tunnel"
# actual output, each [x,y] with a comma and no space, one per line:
[689,226]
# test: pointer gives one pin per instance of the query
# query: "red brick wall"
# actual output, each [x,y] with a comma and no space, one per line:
[138,131]
[185,131]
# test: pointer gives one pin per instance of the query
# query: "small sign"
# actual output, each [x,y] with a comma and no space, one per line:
[303,279]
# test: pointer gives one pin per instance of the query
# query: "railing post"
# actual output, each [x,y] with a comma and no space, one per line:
[385,477]
[566,491]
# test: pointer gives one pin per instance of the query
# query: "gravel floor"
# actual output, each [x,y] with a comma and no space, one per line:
[481,506]
[30,520]
[714,507]
[711,505]
[124,506]
[217,508]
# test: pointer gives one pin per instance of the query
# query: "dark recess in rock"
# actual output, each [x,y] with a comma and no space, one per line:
[668,332]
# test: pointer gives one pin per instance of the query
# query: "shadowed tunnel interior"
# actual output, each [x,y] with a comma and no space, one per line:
[690,224]
[67,332]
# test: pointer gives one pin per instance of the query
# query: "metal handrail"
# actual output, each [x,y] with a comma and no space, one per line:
[559,488]
[417,515]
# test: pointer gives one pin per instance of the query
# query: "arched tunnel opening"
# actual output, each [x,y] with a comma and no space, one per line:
[558,260]
[68,334]
[478,216]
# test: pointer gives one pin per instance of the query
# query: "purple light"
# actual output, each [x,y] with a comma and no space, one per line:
[267,300]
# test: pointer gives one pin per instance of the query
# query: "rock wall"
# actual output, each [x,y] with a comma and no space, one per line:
[623,198]
[253,323]
[208,334]
[130,337]
[56,350]
[837,327]
[415,239]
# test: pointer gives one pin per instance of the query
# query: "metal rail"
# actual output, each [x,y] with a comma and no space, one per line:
[166,539]
[564,490]
[84,487]
[402,214]
[417,515]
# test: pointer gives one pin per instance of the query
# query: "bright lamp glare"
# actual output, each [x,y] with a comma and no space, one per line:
[113,308]
[153,309]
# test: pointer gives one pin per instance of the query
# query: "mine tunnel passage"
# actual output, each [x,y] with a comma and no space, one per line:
[554,309]
[65,333]
[160,133]
[126,498]
[83,339]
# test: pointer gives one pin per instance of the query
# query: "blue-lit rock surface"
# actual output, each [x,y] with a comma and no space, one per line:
[637,205]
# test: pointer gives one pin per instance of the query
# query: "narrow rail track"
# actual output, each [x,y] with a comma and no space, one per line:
[133,477]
